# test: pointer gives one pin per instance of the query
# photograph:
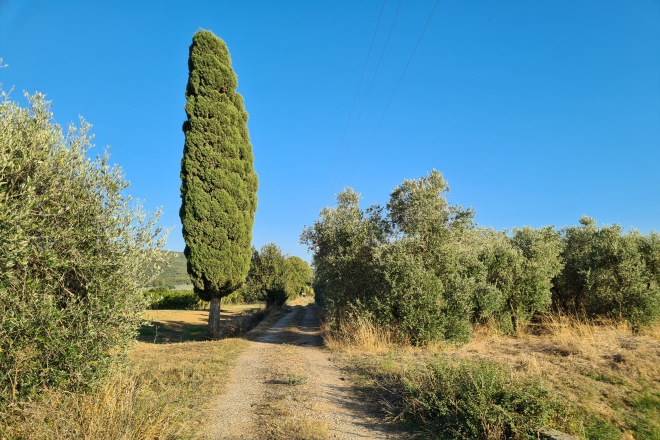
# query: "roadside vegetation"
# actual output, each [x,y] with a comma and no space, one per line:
[594,380]
[162,392]
[470,332]
[85,351]
[274,277]
[74,247]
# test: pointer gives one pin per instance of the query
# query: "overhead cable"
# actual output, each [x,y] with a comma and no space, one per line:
[353,105]
[397,88]
[366,98]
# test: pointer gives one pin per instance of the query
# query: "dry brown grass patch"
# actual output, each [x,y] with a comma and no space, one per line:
[358,333]
[192,325]
[601,368]
[163,394]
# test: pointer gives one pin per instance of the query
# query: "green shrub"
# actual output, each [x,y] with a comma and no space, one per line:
[521,268]
[172,300]
[422,268]
[276,294]
[477,400]
[344,242]
[236,297]
[74,248]
[414,270]
[610,273]
[269,266]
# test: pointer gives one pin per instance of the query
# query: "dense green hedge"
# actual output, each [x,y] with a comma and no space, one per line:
[161,298]
[424,268]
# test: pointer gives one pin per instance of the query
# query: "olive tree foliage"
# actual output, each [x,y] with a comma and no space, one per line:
[73,248]
[609,272]
[422,267]
[345,242]
[409,267]
[521,267]
[432,266]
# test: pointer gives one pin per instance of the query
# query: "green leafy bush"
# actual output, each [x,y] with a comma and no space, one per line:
[236,297]
[521,268]
[174,300]
[414,268]
[273,271]
[345,242]
[423,269]
[477,400]
[610,273]
[74,247]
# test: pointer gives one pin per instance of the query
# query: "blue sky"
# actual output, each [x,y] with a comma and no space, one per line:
[536,112]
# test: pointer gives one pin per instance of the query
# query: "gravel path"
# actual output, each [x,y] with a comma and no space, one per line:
[285,386]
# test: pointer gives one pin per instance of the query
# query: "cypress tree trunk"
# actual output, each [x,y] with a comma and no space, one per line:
[214,318]
[218,182]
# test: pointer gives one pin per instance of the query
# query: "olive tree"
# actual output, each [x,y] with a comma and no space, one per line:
[73,252]
[609,272]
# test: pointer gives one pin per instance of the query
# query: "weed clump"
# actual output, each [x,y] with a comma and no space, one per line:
[477,399]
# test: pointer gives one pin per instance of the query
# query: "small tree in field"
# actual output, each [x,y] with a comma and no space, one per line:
[73,252]
[219,185]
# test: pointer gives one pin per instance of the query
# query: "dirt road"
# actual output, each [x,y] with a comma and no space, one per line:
[285,386]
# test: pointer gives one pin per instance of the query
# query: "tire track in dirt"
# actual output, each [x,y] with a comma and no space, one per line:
[285,386]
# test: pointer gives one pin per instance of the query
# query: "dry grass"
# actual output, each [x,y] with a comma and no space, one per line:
[608,374]
[301,301]
[192,325]
[357,333]
[301,429]
[163,394]
[601,366]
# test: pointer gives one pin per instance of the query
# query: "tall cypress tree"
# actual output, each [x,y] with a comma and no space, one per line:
[218,182]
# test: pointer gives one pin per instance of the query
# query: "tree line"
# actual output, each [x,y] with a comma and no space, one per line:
[425,269]
[274,277]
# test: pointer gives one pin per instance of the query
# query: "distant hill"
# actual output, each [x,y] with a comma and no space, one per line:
[175,274]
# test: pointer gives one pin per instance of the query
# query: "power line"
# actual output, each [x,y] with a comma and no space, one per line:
[397,88]
[367,97]
[353,105]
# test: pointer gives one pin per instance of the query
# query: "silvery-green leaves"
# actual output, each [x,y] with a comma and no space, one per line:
[73,248]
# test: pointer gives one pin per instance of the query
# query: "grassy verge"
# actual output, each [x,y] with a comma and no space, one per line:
[164,392]
[594,381]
